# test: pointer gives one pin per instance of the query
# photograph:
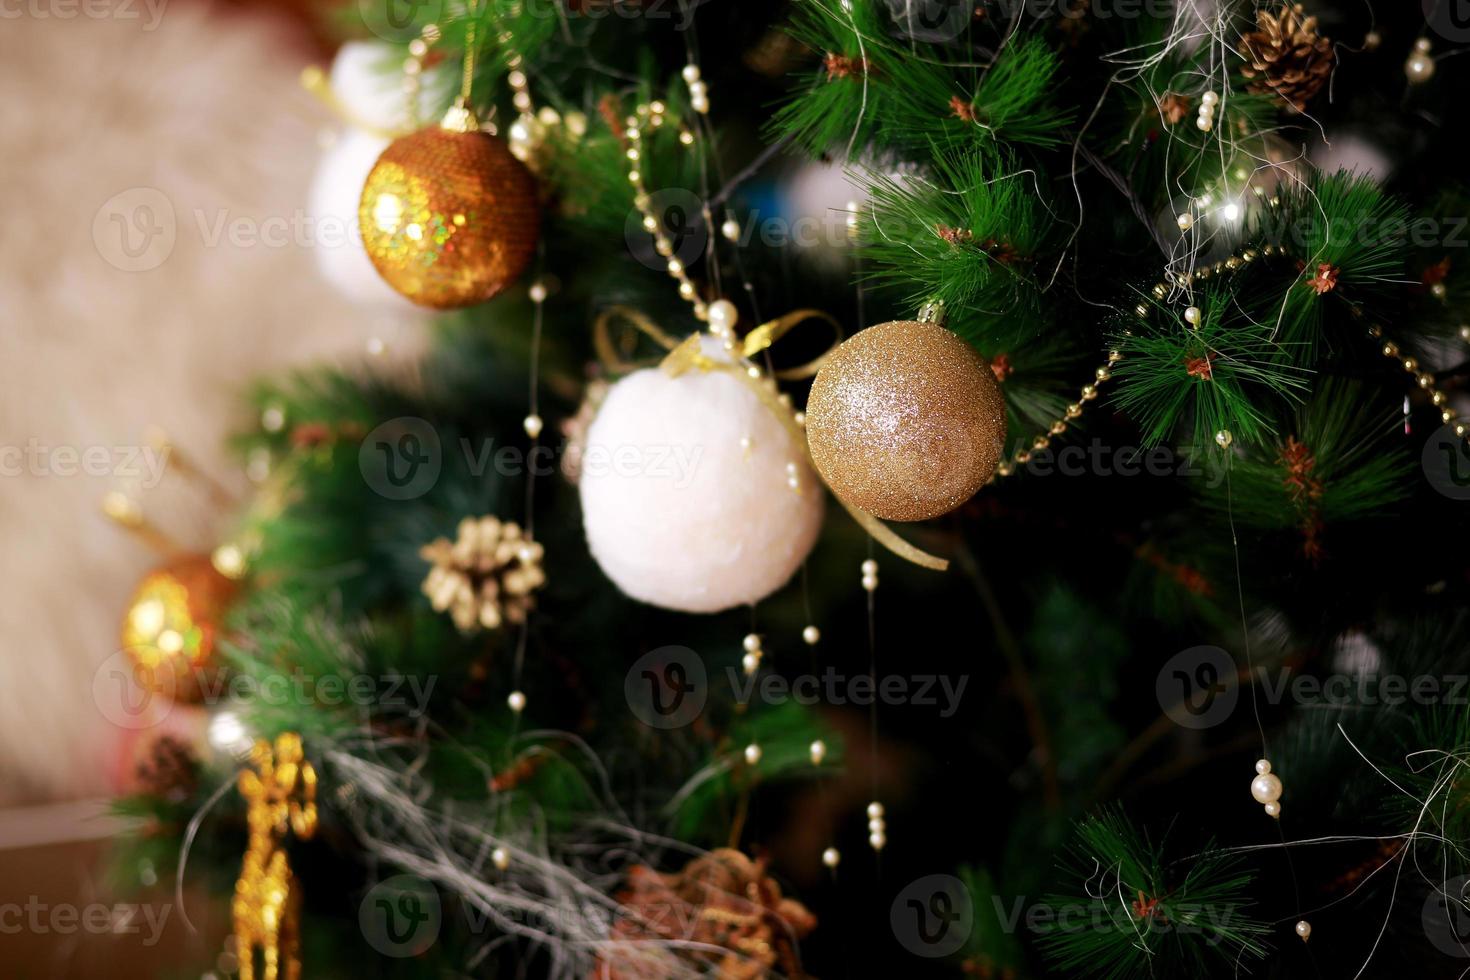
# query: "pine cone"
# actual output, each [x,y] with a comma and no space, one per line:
[1286,56]
[721,913]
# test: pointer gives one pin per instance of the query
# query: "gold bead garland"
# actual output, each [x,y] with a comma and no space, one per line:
[651,115]
[413,70]
[1425,380]
[1193,316]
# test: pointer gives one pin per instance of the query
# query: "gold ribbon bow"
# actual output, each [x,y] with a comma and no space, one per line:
[682,356]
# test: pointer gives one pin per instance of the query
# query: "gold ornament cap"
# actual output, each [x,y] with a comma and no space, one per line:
[906,421]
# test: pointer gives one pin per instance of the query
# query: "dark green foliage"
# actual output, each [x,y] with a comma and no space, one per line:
[1136,912]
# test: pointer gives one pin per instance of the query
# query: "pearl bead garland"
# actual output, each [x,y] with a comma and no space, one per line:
[870,575]
[1206,118]
[877,827]
[1420,66]
[1266,788]
[516,701]
[751,661]
[1304,929]
[831,857]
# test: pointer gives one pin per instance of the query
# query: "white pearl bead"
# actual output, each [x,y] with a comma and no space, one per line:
[870,567]
[877,841]
[818,751]
[1205,123]
[730,229]
[722,315]
[1209,98]
[811,635]
[750,663]
[831,857]
[1273,810]
[1419,68]
[516,701]
[876,825]
[752,753]
[875,809]
[752,642]
[1192,314]
[1304,929]
[537,292]
[500,857]
[1465,333]
[1185,222]
[1423,45]
[1266,788]
[533,425]
[690,73]
[1263,766]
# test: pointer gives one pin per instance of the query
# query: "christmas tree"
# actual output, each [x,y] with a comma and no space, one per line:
[885,477]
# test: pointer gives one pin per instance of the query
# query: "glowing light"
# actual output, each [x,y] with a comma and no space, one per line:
[387,212]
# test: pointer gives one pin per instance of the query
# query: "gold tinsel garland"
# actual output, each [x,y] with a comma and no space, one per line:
[280,794]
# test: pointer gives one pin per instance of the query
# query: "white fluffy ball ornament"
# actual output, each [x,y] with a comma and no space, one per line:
[367,81]
[337,246]
[695,496]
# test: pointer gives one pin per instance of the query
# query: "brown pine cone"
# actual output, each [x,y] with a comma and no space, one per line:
[1286,56]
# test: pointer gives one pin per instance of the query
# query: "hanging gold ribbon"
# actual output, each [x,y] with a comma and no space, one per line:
[682,356]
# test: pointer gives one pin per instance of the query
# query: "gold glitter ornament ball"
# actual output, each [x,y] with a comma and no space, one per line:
[449,218]
[171,628]
[905,421]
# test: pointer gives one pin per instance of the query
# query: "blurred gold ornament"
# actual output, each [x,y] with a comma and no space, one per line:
[280,794]
[484,577]
[449,216]
[905,421]
[1286,55]
[172,626]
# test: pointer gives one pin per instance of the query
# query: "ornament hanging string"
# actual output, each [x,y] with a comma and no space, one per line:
[686,354]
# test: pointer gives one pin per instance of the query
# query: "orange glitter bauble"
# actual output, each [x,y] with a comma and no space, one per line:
[449,218]
[171,628]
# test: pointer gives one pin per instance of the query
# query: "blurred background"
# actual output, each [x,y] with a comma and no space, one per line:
[157,254]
